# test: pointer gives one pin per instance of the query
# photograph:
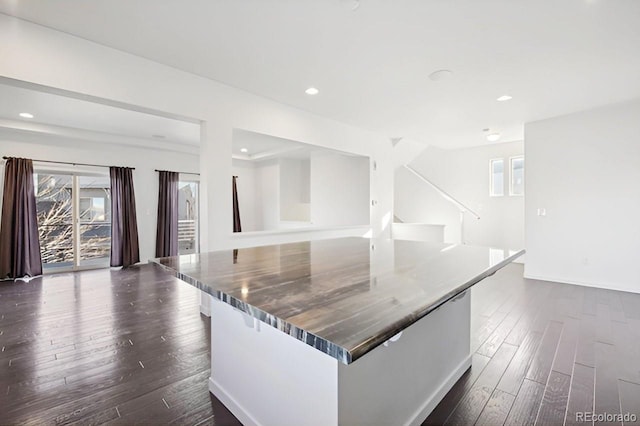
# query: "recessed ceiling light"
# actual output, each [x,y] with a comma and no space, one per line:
[440,75]
[26,115]
[504,98]
[312,91]
[493,137]
[244,150]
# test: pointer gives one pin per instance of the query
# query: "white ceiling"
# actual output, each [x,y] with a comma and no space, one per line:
[57,110]
[372,64]
[262,147]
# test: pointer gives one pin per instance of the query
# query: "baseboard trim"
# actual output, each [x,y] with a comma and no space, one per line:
[580,283]
[418,418]
[432,402]
[231,404]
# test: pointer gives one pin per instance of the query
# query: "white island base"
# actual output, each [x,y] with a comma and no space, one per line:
[266,377]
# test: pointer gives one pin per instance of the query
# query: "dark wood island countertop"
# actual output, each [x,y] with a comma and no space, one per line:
[342,296]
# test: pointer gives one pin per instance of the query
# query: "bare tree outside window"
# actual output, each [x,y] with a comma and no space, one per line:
[54,201]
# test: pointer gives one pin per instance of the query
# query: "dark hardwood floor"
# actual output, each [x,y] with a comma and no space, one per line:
[120,347]
[130,347]
[543,352]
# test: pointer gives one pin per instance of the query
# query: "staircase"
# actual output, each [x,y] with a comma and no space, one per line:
[404,153]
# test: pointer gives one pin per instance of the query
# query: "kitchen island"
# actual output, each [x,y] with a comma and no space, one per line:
[342,331]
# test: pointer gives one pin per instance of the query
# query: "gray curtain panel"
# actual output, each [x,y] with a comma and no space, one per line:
[167,231]
[125,250]
[237,226]
[19,242]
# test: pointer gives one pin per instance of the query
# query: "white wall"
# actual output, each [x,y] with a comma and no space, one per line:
[40,55]
[284,193]
[339,189]
[584,169]
[417,202]
[258,194]
[145,161]
[463,173]
[295,190]
[267,193]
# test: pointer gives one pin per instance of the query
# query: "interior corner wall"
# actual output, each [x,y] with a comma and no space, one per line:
[145,161]
[583,169]
[259,188]
[36,54]
[248,204]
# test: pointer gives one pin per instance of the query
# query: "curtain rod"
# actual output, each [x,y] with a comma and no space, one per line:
[182,173]
[67,162]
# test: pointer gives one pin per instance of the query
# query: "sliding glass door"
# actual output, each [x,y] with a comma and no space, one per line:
[94,233]
[188,224]
[54,202]
[74,220]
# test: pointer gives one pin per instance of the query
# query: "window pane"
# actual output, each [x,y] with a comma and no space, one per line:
[95,220]
[188,217]
[85,208]
[517,176]
[497,178]
[54,204]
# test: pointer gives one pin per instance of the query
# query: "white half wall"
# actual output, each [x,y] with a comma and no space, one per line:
[583,169]
[40,55]
[463,173]
[145,161]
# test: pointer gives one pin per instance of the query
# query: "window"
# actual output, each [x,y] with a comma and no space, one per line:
[74,220]
[188,224]
[94,226]
[54,205]
[516,182]
[92,209]
[496,171]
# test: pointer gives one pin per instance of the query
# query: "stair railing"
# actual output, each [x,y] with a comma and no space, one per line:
[444,194]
